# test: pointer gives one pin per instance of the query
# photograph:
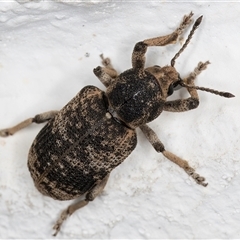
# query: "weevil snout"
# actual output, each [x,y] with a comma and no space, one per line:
[168,78]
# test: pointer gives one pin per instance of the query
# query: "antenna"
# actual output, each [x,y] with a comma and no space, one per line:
[195,25]
[222,94]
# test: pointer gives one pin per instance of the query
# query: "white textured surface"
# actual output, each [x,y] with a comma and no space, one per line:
[47,53]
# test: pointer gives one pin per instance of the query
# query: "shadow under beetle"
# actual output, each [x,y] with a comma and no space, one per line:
[82,143]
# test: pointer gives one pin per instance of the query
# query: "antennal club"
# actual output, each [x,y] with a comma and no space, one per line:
[195,25]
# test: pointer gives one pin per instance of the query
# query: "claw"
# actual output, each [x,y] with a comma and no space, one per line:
[60,221]
[199,180]
[5,133]
[105,61]
[187,19]
[202,66]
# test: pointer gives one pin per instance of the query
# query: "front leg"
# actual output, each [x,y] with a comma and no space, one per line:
[159,147]
[182,105]
[109,69]
[138,56]
[106,74]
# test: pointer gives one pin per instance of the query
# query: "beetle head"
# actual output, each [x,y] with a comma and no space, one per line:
[168,78]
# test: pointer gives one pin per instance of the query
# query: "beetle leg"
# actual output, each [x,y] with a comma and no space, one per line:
[67,212]
[90,196]
[40,118]
[173,37]
[106,74]
[138,55]
[159,147]
[109,69]
[103,76]
[182,105]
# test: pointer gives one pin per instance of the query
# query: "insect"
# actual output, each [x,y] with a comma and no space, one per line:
[75,152]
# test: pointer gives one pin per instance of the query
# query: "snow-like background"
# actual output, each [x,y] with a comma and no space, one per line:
[47,53]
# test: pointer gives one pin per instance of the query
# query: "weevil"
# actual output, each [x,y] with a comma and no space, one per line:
[75,152]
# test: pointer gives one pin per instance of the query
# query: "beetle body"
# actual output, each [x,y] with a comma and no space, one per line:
[93,134]
[79,147]
[81,144]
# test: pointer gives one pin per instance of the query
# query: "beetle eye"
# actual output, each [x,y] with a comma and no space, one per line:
[175,84]
[170,89]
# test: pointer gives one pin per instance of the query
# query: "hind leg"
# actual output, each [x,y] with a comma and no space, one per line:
[90,196]
[40,118]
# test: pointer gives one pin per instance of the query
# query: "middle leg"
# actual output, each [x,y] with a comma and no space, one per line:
[159,147]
